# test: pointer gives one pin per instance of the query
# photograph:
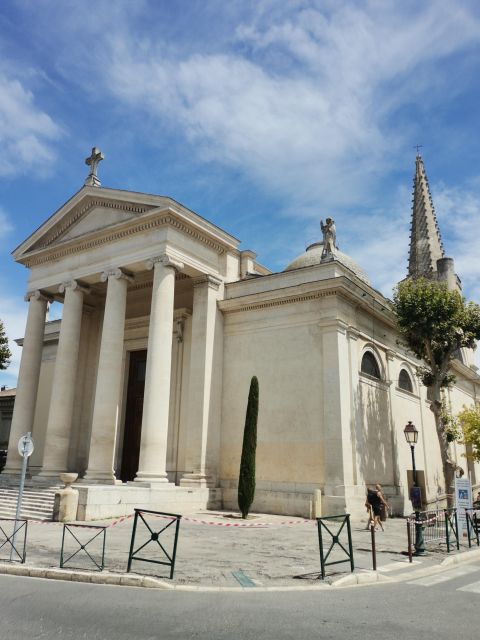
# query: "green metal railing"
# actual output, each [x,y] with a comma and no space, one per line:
[154,534]
[437,526]
[473,526]
[333,538]
[10,540]
[82,545]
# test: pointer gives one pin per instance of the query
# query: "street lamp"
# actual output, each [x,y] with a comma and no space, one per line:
[411,436]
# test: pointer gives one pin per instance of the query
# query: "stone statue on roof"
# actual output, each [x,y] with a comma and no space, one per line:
[329,238]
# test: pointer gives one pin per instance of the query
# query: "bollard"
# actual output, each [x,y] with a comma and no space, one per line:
[374,550]
[409,541]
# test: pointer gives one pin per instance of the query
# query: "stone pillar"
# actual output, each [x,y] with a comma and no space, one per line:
[393,440]
[339,455]
[27,384]
[205,319]
[109,380]
[57,436]
[156,402]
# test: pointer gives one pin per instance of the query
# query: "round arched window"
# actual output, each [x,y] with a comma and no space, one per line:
[404,381]
[370,365]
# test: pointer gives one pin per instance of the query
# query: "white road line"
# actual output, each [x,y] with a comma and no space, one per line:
[400,564]
[458,572]
[474,587]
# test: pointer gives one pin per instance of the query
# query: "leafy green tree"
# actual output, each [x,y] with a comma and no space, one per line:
[469,419]
[246,480]
[5,353]
[435,322]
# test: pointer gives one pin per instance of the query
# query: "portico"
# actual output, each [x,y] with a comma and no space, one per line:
[135,274]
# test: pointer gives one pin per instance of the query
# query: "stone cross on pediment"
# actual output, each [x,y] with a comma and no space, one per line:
[92,162]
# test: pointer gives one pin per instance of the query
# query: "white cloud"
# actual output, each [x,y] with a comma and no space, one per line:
[6,227]
[300,102]
[458,213]
[26,132]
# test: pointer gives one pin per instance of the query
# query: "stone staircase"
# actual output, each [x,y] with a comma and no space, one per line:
[37,502]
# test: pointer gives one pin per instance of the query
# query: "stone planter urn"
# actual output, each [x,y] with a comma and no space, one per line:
[68,479]
[66,500]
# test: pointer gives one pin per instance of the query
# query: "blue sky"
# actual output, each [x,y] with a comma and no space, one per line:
[261,116]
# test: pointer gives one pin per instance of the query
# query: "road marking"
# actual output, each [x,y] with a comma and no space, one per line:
[472,588]
[243,579]
[399,564]
[430,581]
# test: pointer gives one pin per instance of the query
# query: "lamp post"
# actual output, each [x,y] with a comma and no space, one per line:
[411,436]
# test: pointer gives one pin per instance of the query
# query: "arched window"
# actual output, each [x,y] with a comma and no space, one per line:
[404,381]
[370,365]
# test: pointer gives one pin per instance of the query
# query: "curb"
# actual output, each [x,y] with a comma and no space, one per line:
[360,579]
[91,577]
[371,577]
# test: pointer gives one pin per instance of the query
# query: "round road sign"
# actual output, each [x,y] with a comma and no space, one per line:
[25,446]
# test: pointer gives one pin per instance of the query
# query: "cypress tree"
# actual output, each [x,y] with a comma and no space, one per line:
[246,480]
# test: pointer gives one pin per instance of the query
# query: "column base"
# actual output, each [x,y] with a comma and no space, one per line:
[99,477]
[47,474]
[147,479]
[199,480]
[12,471]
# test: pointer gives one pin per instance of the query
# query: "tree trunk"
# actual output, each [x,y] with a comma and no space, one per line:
[449,466]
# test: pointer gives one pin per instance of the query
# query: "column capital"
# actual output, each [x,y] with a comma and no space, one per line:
[116,273]
[74,285]
[210,281]
[38,295]
[166,261]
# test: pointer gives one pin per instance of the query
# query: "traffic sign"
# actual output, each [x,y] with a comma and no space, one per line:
[25,446]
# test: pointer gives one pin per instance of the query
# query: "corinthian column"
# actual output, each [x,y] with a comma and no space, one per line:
[57,437]
[109,379]
[156,401]
[27,384]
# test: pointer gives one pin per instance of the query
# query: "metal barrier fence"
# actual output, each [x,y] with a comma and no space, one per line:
[473,526]
[439,526]
[83,544]
[154,535]
[10,541]
[340,520]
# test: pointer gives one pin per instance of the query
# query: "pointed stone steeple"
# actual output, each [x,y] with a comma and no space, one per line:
[425,242]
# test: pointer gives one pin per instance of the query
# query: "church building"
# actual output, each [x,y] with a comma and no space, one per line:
[142,386]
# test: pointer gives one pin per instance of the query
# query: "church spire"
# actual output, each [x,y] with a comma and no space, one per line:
[425,242]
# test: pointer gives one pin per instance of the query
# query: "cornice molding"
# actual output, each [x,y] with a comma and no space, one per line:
[234,305]
[128,228]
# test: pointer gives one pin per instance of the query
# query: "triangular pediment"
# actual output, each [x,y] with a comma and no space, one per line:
[89,216]
[89,212]
[98,215]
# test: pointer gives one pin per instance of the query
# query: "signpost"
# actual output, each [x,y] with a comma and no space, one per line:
[25,449]
[463,500]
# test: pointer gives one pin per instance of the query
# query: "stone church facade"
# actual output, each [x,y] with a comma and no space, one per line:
[142,387]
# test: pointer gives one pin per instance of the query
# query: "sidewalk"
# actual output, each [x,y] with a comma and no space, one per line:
[219,550]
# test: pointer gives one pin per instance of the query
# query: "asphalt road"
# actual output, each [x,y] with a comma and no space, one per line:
[441,606]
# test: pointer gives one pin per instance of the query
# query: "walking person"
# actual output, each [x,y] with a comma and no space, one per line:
[374,503]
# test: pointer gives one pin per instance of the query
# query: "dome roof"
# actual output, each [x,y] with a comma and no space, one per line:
[313,256]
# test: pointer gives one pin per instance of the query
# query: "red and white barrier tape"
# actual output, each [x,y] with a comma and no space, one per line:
[236,525]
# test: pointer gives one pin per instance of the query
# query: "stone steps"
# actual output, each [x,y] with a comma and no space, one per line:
[37,503]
